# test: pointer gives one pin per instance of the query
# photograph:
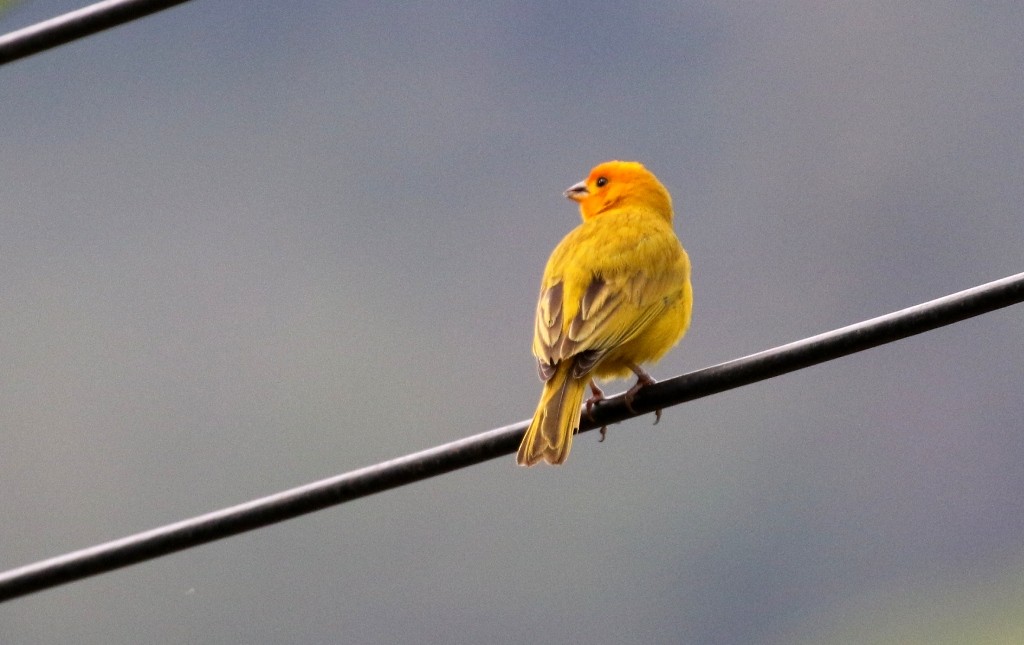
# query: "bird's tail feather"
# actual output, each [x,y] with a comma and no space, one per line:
[557,418]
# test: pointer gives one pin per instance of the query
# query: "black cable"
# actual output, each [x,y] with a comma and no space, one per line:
[502,441]
[76,24]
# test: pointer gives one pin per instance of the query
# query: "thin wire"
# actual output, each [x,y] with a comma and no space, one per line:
[502,441]
[76,24]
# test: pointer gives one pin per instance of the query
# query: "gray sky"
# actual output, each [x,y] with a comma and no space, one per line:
[247,247]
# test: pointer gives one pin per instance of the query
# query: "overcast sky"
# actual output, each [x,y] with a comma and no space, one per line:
[245,246]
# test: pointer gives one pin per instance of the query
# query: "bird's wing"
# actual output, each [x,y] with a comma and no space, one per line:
[617,302]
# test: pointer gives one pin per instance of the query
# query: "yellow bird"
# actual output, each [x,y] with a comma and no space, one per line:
[615,294]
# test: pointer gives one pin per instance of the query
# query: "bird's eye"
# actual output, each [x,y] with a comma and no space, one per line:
[601,181]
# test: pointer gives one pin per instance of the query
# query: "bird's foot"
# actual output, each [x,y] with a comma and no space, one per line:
[597,397]
[643,379]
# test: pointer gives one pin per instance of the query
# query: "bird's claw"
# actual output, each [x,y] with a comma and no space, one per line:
[597,397]
[643,379]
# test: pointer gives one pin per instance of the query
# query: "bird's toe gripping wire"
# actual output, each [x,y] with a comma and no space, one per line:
[643,379]
[596,397]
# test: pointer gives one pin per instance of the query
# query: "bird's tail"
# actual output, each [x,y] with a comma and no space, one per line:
[557,418]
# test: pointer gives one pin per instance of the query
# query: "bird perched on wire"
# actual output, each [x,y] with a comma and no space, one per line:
[615,294]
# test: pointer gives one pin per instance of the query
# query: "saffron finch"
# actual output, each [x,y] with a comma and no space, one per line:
[615,294]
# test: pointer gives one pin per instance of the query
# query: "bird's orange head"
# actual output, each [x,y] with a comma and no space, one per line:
[616,184]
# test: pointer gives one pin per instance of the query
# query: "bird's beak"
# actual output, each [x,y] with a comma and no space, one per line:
[576,192]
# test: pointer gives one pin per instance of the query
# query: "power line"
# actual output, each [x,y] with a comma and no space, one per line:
[76,24]
[502,441]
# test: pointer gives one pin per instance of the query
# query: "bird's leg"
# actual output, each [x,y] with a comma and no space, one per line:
[643,379]
[598,396]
